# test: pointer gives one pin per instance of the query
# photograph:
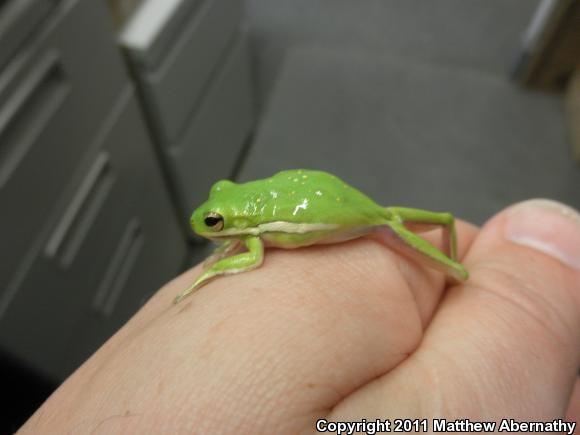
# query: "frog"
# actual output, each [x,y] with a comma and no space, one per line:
[297,208]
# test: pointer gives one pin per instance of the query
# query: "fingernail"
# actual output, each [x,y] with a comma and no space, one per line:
[546,226]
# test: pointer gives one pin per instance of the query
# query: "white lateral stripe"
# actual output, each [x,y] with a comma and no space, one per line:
[289,227]
[278,227]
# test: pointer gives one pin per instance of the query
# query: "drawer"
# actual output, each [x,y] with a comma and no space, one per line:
[214,139]
[172,88]
[113,240]
[54,95]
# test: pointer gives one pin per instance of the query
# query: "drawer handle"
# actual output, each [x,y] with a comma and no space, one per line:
[26,113]
[18,20]
[119,269]
[77,220]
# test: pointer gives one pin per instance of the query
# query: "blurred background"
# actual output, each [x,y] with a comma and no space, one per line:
[116,116]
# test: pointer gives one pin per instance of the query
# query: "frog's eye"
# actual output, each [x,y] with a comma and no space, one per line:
[214,220]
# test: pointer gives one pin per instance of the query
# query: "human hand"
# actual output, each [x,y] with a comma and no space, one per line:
[345,332]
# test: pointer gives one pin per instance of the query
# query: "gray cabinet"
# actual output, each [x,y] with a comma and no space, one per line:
[87,228]
[175,74]
[54,95]
[190,60]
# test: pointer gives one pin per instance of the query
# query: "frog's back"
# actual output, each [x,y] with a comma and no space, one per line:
[303,195]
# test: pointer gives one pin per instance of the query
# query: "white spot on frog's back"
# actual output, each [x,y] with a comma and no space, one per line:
[302,206]
[273,194]
[318,193]
[250,208]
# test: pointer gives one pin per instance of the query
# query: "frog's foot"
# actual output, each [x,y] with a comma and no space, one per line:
[229,265]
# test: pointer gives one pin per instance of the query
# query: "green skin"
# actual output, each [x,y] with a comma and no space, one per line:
[296,208]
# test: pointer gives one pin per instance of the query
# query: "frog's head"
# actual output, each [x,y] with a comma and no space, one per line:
[219,216]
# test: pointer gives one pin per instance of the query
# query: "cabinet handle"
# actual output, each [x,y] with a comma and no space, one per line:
[119,269]
[25,114]
[77,220]
[18,20]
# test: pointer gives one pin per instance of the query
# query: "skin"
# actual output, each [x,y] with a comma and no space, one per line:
[298,208]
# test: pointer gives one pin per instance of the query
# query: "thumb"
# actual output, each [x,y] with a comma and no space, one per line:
[506,344]
[517,319]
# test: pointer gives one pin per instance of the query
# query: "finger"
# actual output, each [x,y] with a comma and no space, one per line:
[506,343]
[268,348]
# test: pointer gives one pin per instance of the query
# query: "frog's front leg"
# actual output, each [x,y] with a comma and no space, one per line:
[420,247]
[229,265]
[229,247]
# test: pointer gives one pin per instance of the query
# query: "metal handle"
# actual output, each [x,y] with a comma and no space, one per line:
[78,217]
[119,269]
[25,114]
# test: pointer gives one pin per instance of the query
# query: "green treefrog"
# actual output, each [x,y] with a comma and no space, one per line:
[296,208]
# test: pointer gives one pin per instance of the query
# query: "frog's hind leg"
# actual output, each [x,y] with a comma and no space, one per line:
[229,265]
[422,218]
[417,247]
